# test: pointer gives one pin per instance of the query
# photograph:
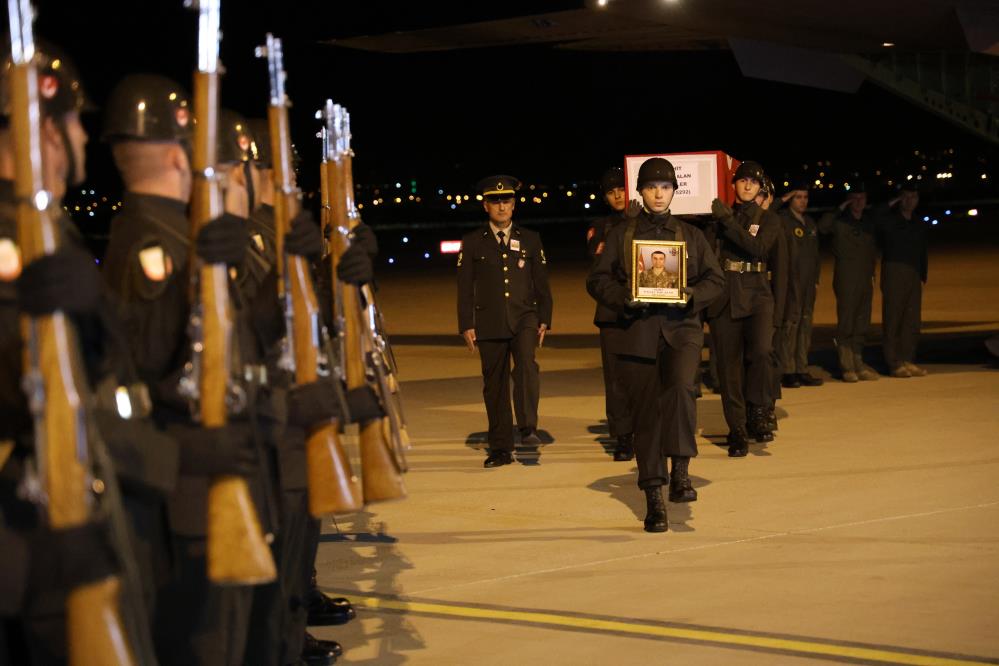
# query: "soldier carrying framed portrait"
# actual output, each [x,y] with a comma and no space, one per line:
[658,271]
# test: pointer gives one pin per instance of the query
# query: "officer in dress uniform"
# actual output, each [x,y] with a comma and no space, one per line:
[904,265]
[803,237]
[615,398]
[742,320]
[505,309]
[659,345]
[855,250]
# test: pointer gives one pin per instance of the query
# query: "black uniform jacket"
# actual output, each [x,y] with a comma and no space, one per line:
[596,241]
[854,243]
[903,243]
[739,241]
[502,289]
[609,283]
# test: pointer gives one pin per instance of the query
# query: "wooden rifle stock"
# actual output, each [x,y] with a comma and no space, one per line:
[381,474]
[55,378]
[333,487]
[237,553]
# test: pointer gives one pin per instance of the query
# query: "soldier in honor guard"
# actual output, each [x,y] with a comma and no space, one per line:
[619,420]
[855,250]
[742,319]
[505,309]
[803,237]
[659,345]
[904,265]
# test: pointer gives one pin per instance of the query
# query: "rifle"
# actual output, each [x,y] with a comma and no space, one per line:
[333,487]
[382,459]
[237,554]
[54,376]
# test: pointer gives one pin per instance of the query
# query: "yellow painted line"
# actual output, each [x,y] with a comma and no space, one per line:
[718,637]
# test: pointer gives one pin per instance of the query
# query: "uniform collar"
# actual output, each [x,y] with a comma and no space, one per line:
[665,220]
[154,201]
[508,233]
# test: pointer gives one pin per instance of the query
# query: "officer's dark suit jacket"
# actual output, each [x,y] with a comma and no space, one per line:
[502,291]
[156,313]
[903,243]
[640,329]
[745,292]
[854,245]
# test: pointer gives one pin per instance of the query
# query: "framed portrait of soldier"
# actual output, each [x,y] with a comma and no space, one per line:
[658,271]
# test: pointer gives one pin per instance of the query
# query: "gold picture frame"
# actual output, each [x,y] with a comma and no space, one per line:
[665,286]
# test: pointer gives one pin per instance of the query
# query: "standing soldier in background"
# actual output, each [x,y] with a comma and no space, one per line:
[615,398]
[742,319]
[803,239]
[505,308]
[659,345]
[855,249]
[902,237]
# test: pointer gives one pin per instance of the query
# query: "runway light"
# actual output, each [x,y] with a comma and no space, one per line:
[450,247]
[947,212]
[440,191]
[592,197]
[936,222]
[887,45]
[984,176]
[426,255]
[391,260]
[453,207]
[909,177]
[586,205]
[398,186]
[405,239]
[926,218]
[973,212]
[818,182]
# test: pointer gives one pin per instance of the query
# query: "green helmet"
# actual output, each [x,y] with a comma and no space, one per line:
[235,139]
[260,150]
[147,107]
[60,90]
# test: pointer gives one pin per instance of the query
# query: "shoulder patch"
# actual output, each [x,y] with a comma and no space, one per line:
[10,260]
[799,232]
[156,264]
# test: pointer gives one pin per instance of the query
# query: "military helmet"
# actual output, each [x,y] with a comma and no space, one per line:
[260,142]
[749,169]
[767,187]
[235,140]
[60,90]
[147,107]
[612,179]
[656,169]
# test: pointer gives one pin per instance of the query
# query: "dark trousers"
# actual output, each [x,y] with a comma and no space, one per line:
[495,356]
[616,398]
[744,346]
[197,622]
[662,392]
[277,623]
[798,332]
[854,289]
[777,362]
[902,294]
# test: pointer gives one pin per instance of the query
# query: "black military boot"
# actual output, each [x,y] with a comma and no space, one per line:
[326,611]
[757,425]
[655,517]
[772,418]
[680,488]
[316,652]
[790,380]
[625,448]
[738,445]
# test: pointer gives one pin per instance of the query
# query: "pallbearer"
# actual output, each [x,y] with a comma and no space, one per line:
[616,400]
[505,309]
[659,345]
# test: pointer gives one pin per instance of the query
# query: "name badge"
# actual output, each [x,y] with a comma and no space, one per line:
[515,244]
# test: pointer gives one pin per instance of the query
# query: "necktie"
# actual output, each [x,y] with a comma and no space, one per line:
[502,237]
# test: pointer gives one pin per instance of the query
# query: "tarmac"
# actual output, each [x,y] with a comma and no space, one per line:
[865,533]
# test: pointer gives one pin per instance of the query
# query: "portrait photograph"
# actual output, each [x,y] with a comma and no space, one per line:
[658,272]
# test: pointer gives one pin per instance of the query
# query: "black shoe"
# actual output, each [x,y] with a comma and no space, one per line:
[680,488]
[808,380]
[498,459]
[790,381]
[529,437]
[772,419]
[327,611]
[625,450]
[655,517]
[757,425]
[738,445]
[320,653]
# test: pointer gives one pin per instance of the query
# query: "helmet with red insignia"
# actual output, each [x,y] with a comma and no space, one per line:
[147,107]
[60,90]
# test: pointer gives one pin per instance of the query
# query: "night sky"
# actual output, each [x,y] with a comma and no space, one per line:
[543,114]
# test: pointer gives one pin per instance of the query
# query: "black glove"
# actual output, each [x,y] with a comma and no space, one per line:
[223,240]
[363,235]
[720,210]
[363,405]
[309,404]
[67,280]
[304,238]
[68,558]
[218,451]
[355,265]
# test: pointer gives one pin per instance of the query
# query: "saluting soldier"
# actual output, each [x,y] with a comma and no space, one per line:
[505,309]
[855,250]
[742,319]
[803,237]
[659,345]
[619,420]
[904,265]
